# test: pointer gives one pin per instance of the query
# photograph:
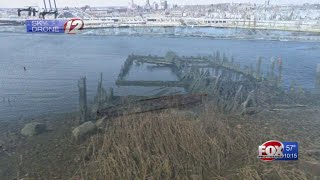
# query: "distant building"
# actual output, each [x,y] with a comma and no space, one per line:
[267,3]
[147,6]
[163,4]
[155,6]
[133,5]
[177,13]
[87,7]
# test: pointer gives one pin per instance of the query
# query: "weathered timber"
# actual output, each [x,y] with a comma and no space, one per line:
[279,80]
[83,107]
[126,67]
[110,94]
[318,77]
[288,106]
[236,99]
[181,64]
[258,73]
[222,79]
[150,83]
[250,101]
[273,64]
[151,104]
[154,61]
[101,94]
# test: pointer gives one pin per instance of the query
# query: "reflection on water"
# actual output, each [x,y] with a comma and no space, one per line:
[54,63]
[147,72]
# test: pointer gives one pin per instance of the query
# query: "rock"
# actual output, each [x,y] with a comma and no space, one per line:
[33,128]
[101,122]
[84,129]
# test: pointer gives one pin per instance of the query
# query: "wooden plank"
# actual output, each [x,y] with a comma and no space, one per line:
[150,83]
[151,104]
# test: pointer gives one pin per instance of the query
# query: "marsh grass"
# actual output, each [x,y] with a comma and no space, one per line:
[166,145]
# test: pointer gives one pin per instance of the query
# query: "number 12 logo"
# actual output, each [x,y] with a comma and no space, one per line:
[73,25]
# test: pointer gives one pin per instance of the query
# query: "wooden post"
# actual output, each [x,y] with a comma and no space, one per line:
[100,97]
[280,73]
[218,58]
[318,77]
[251,71]
[292,87]
[250,102]
[224,59]
[235,103]
[111,94]
[272,69]
[83,99]
[258,75]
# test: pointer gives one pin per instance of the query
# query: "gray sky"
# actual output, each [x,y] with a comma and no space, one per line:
[73,3]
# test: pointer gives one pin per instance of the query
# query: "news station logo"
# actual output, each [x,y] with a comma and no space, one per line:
[276,150]
[71,26]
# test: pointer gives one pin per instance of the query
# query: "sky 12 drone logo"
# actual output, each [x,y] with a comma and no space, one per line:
[276,150]
[71,26]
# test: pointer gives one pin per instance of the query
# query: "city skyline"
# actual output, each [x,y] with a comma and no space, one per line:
[76,3]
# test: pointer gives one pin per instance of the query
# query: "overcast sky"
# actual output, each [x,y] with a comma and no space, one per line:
[73,3]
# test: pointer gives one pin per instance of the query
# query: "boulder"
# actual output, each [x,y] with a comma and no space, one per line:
[33,128]
[84,129]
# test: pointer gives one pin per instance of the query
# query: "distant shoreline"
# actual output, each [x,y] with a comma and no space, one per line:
[189,32]
[287,26]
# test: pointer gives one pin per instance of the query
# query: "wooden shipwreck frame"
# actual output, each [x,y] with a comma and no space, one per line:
[232,87]
[216,79]
[190,69]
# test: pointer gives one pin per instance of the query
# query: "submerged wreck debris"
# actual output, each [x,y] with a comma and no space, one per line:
[151,83]
[126,67]
[230,88]
[151,104]
[195,65]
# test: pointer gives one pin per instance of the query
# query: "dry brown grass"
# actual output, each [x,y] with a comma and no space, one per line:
[170,146]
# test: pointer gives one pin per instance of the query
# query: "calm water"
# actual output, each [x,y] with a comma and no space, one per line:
[55,62]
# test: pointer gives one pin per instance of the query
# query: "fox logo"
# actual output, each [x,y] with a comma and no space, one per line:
[271,150]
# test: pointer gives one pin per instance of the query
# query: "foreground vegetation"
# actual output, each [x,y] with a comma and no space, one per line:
[176,145]
[200,143]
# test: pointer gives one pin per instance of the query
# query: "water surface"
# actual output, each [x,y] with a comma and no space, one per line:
[54,63]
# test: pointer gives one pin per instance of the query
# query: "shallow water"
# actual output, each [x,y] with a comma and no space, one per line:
[54,63]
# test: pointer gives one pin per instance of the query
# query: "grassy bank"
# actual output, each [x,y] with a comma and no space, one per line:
[170,144]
